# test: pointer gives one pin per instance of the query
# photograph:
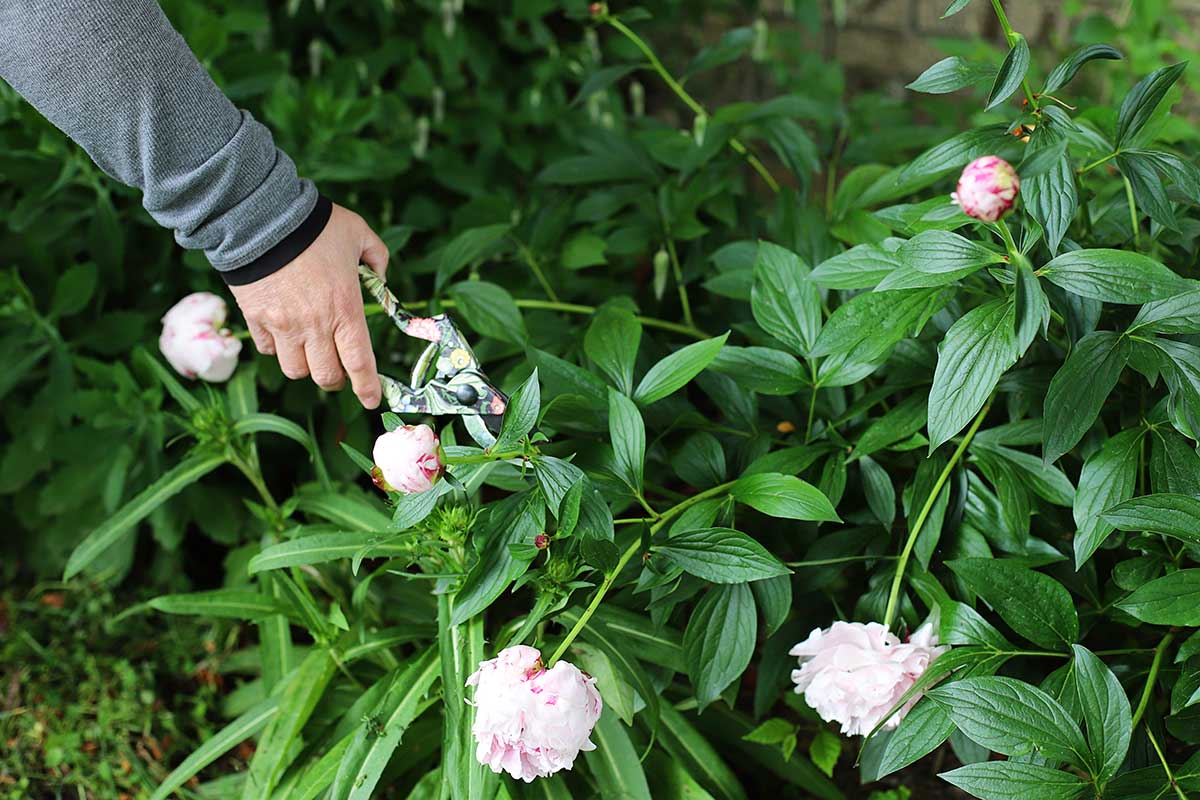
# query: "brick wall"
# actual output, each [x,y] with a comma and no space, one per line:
[886,40]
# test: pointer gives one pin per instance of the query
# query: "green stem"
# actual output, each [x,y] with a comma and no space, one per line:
[1151,677]
[611,577]
[1097,163]
[372,309]
[255,477]
[1014,252]
[1011,36]
[536,268]
[1133,215]
[484,458]
[684,303]
[829,562]
[690,101]
[1162,758]
[898,579]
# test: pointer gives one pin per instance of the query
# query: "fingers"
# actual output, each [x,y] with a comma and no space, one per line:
[354,349]
[374,252]
[323,362]
[263,340]
[292,361]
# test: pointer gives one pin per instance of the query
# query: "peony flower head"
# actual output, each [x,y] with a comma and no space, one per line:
[853,673]
[987,188]
[195,341]
[409,459]
[531,721]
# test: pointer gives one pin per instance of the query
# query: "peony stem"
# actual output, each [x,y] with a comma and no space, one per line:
[484,458]
[1151,677]
[611,577]
[1162,758]
[690,101]
[898,579]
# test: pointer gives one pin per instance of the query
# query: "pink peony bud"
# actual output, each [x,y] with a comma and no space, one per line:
[409,460]
[194,340]
[531,721]
[987,188]
[854,673]
[541,541]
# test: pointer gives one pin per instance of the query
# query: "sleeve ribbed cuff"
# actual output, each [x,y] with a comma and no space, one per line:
[285,250]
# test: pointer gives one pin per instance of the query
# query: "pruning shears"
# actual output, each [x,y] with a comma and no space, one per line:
[457,385]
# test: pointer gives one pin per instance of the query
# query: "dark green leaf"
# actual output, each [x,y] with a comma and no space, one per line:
[977,350]
[1105,712]
[612,342]
[1176,515]
[677,369]
[1011,717]
[721,555]
[1142,101]
[784,496]
[1108,478]
[1066,71]
[1034,605]
[950,75]
[785,303]
[1014,780]
[1113,276]
[628,434]
[719,640]
[1011,73]
[1079,390]
[490,310]
[1173,599]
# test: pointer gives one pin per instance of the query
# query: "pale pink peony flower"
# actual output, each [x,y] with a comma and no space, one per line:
[410,459]
[854,673]
[530,721]
[987,188]
[194,341]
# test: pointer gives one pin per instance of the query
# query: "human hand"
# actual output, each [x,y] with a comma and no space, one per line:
[309,314]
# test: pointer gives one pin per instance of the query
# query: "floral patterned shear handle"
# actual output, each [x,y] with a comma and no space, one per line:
[458,386]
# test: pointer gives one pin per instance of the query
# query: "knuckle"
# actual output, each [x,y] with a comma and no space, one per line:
[326,377]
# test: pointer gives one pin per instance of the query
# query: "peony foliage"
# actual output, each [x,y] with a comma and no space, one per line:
[811,476]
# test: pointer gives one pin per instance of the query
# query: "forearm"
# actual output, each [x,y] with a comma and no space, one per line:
[118,79]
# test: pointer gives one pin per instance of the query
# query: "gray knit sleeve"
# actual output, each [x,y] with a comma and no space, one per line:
[120,81]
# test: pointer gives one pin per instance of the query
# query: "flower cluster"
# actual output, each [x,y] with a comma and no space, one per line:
[531,721]
[408,460]
[853,673]
[195,341]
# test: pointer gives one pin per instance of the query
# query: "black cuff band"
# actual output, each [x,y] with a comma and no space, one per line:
[287,249]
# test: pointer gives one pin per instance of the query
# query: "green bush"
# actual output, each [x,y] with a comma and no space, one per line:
[764,376]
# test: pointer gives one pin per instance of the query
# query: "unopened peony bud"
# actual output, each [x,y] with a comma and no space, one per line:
[409,459]
[987,188]
[598,10]
[854,673]
[541,541]
[531,721]
[195,341]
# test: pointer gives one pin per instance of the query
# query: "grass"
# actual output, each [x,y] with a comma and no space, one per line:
[94,710]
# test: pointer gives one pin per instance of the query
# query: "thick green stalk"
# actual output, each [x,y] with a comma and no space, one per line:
[1151,677]
[898,579]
